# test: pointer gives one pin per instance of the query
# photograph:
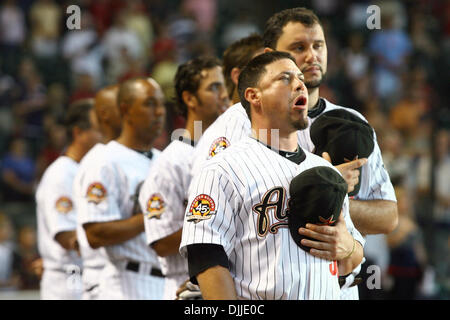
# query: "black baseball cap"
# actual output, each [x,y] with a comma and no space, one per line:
[316,196]
[345,137]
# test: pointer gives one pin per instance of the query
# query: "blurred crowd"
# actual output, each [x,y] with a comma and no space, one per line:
[396,76]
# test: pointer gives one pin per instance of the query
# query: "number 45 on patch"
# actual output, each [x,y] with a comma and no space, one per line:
[202,208]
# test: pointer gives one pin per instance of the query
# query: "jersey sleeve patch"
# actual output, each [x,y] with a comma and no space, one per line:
[63,205]
[217,146]
[155,206]
[96,192]
[202,208]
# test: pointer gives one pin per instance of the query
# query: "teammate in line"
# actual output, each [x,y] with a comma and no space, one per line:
[299,32]
[112,218]
[201,97]
[235,233]
[109,121]
[235,57]
[56,212]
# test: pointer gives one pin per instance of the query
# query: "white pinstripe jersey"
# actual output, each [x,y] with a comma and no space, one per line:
[238,201]
[56,212]
[163,199]
[375,183]
[92,258]
[109,187]
[227,129]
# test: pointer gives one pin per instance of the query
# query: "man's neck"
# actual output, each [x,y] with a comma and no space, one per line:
[130,141]
[75,152]
[108,134]
[313,97]
[195,126]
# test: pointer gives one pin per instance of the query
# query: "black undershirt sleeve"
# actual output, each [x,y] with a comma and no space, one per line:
[204,256]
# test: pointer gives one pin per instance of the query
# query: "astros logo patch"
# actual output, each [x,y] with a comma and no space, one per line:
[64,205]
[218,145]
[326,222]
[202,208]
[155,206]
[96,192]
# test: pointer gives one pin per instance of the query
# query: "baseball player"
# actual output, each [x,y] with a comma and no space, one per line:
[112,218]
[235,233]
[299,32]
[235,57]
[109,120]
[201,96]
[56,212]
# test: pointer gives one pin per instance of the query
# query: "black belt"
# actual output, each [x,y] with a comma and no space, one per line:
[355,282]
[134,266]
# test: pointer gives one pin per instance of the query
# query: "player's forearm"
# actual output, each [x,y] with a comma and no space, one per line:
[347,265]
[374,216]
[100,234]
[216,283]
[169,245]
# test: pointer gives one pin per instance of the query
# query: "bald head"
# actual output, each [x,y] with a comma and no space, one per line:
[141,104]
[107,111]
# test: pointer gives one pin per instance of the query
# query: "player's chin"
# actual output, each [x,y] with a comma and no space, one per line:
[300,123]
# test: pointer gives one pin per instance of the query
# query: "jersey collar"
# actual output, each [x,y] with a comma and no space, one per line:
[317,109]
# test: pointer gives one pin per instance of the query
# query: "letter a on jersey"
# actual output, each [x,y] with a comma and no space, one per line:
[202,208]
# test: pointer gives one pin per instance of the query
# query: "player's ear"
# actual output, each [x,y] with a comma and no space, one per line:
[267,49]
[235,72]
[253,96]
[189,99]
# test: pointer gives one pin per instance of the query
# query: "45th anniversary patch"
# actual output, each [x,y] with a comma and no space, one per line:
[202,208]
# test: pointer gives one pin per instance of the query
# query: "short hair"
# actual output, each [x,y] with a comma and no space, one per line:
[188,77]
[274,26]
[237,55]
[78,116]
[254,70]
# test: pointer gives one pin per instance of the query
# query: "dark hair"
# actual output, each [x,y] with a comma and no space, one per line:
[237,55]
[78,116]
[276,23]
[254,70]
[188,78]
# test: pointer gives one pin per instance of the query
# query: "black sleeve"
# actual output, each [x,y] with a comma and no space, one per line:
[204,256]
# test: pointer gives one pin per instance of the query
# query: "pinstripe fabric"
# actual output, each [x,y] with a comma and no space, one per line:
[162,200]
[264,260]
[119,171]
[375,183]
[56,212]
[232,124]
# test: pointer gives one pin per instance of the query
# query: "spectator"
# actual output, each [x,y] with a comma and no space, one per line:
[45,20]
[12,34]
[119,44]
[407,252]
[441,209]
[84,87]
[137,19]
[24,255]
[82,50]
[31,101]
[389,64]
[17,173]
